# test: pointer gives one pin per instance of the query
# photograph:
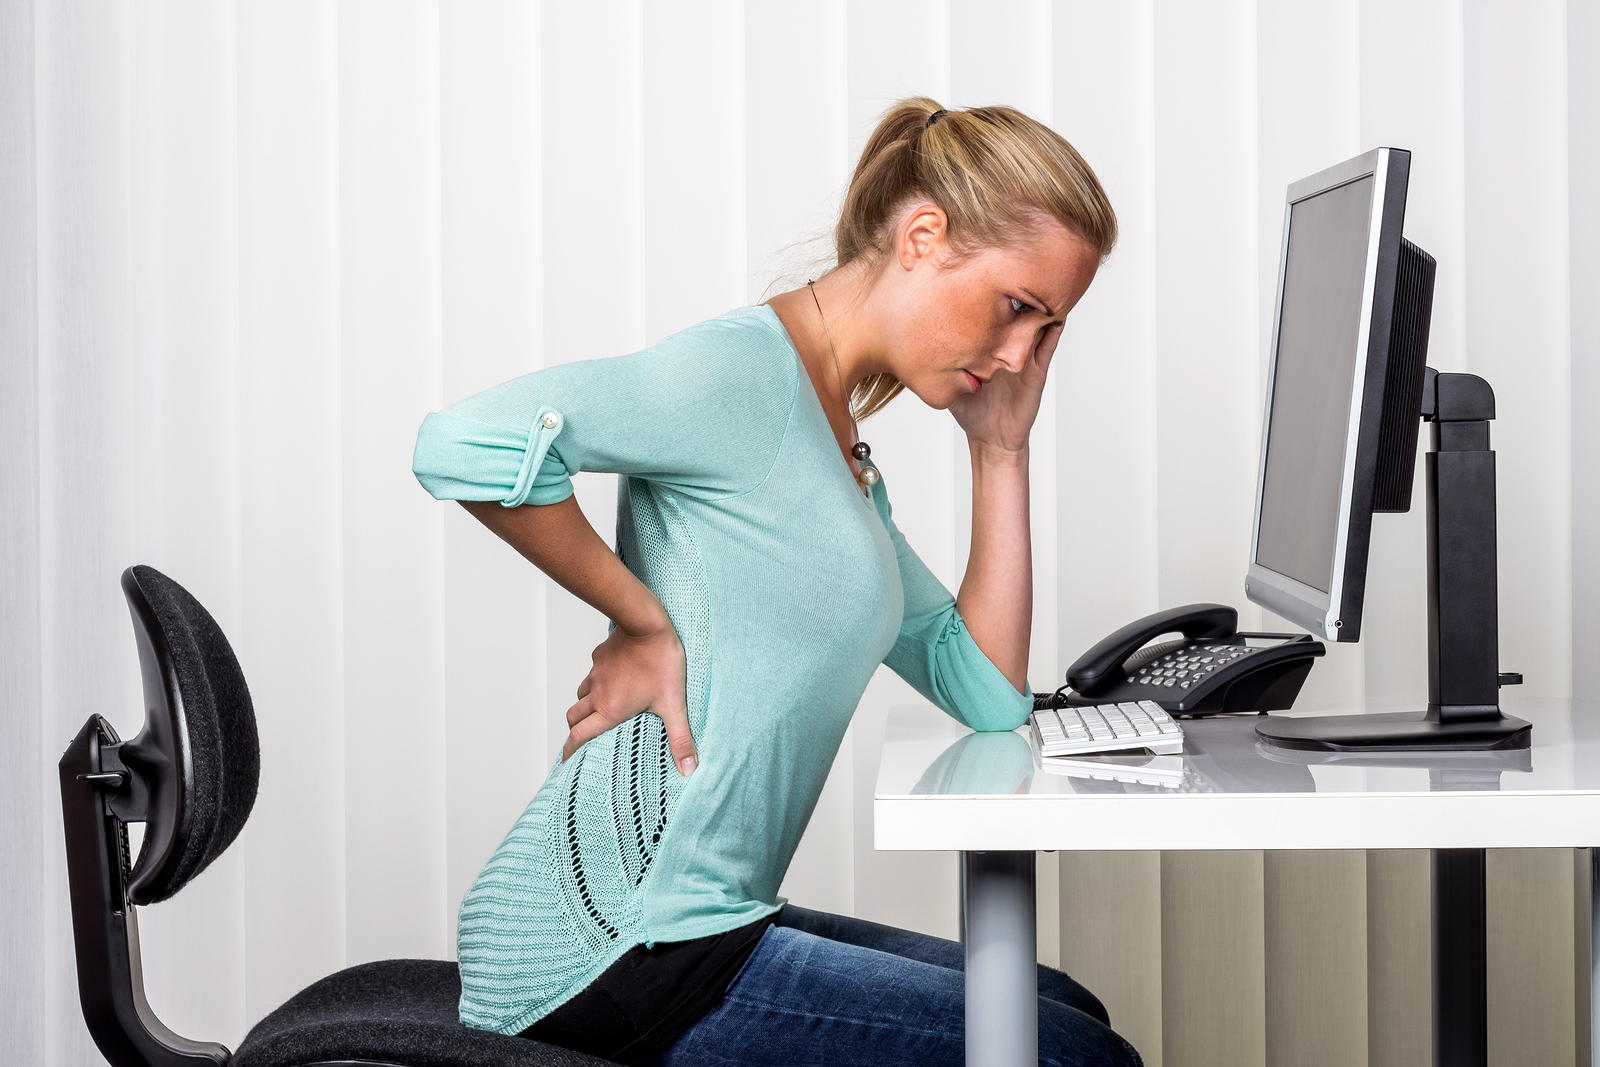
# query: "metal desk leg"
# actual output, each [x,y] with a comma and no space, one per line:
[1460,959]
[997,926]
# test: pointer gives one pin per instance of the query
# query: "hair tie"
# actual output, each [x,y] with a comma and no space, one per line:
[935,117]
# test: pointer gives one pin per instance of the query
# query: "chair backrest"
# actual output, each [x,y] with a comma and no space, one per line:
[190,776]
[198,752]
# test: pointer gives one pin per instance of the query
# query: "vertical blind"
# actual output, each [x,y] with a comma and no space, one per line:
[246,246]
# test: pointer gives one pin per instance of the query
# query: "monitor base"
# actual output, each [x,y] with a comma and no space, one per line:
[1392,732]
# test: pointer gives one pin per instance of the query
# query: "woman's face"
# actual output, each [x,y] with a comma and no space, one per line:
[956,321]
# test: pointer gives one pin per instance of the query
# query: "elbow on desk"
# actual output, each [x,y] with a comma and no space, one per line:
[993,717]
[994,706]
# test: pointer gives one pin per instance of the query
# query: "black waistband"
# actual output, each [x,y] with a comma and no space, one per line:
[639,1005]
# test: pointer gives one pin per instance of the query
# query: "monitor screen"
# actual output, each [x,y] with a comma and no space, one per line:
[1319,330]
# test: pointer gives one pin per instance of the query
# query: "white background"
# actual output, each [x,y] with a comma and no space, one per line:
[244,247]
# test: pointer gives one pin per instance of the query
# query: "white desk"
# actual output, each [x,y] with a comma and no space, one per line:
[943,788]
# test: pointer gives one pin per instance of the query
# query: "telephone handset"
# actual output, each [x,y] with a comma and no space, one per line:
[1211,668]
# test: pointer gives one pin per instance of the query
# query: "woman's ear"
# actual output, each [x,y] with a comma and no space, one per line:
[923,236]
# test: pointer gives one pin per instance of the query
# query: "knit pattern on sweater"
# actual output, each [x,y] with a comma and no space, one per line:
[565,889]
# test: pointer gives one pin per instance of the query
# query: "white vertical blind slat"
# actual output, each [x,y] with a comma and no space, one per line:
[291,639]
[1583,116]
[796,141]
[1518,317]
[184,251]
[25,784]
[1208,388]
[393,574]
[86,418]
[693,166]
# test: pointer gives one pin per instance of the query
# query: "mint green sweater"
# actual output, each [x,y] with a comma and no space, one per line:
[787,587]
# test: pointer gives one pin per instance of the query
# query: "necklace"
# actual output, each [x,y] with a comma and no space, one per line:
[861,450]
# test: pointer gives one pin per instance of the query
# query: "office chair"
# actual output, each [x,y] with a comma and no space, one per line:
[190,776]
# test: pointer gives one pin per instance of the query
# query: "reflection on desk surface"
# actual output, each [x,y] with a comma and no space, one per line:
[1219,756]
[980,763]
[928,755]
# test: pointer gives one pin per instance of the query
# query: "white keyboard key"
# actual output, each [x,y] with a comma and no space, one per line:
[1106,728]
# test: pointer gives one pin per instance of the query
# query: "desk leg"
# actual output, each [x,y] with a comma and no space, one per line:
[1460,959]
[998,928]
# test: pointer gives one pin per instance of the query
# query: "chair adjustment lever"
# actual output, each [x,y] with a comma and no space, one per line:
[128,796]
[114,779]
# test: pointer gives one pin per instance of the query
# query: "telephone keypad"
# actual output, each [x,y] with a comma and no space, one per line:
[1187,666]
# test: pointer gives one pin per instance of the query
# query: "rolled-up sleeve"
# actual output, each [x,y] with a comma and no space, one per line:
[459,459]
[703,410]
[936,654]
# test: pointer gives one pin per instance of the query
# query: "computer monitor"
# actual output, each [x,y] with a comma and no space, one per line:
[1349,348]
[1348,387]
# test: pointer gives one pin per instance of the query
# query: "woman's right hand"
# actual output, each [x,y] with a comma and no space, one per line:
[635,672]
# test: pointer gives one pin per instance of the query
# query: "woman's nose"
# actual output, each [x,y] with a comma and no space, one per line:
[1014,355]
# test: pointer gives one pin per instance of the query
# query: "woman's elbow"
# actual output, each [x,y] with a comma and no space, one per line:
[457,460]
[993,707]
[997,718]
[436,459]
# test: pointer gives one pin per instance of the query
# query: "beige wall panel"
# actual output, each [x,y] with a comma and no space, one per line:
[1531,1001]
[1048,909]
[1111,938]
[1213,984]
[1399,958]
[1315,945]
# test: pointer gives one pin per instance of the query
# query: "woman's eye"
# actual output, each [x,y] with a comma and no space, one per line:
[1017,305]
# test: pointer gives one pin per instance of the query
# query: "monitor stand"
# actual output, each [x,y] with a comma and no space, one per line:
[1464,677]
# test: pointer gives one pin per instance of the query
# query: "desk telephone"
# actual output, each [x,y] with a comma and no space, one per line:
[1211,668]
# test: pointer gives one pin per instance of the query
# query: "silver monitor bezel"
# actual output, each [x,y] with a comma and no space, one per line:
[1301,604]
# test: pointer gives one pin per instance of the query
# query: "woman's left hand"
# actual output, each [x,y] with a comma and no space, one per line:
[1001,414]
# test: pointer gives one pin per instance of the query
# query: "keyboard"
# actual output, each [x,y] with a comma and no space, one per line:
[1072,731]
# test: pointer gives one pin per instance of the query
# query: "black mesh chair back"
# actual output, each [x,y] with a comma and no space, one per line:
[190,775]
[198,752]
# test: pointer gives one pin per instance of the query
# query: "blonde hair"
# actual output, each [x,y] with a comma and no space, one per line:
[993,171]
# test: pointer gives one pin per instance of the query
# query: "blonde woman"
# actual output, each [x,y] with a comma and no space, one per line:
[758,581]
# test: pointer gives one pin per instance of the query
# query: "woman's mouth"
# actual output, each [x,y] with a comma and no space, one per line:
[973,381]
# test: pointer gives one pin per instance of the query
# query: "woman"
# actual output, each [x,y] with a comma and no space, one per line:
[757,583]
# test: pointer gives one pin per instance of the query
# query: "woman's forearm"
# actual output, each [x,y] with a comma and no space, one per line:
[558,539]
[996,597]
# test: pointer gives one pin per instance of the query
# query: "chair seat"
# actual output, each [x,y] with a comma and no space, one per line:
[390,1012]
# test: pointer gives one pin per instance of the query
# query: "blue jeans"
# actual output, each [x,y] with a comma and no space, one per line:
[827,990]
